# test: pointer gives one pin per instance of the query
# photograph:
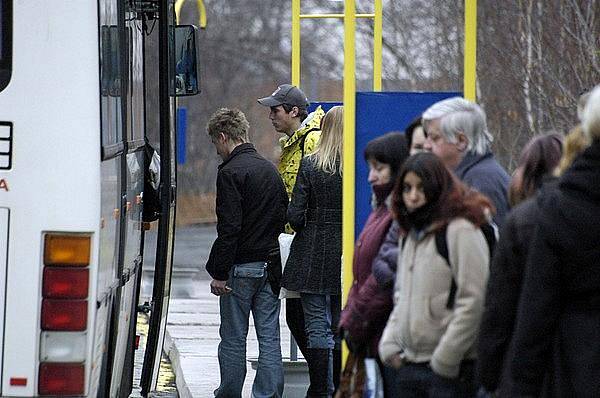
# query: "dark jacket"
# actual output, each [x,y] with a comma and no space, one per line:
[315,213]
[251,206]
[504,290]
[483,173]
[386,262]
[557,332]
[369,304]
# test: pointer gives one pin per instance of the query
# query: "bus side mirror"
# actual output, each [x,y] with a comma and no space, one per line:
[185,80]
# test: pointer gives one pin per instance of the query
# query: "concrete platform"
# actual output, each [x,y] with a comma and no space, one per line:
[191,344]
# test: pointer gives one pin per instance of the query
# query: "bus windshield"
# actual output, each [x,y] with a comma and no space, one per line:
[5,42]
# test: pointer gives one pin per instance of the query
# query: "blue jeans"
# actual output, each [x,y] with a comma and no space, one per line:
[417,380]
[317,321]
[250,292]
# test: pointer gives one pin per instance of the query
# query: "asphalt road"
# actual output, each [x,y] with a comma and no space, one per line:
[192,246]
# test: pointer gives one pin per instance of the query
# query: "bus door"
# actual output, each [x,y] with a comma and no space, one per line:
[177,77]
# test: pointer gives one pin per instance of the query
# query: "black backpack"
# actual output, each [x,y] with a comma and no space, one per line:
[441,245]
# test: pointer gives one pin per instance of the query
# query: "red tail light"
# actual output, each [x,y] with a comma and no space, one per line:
[64,315]
[67,283]
[61,379]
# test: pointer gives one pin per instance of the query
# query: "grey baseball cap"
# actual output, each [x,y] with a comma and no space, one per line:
[286,94]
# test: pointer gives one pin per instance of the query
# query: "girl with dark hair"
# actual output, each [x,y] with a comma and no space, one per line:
[370,299]
[430,336]
[539,159]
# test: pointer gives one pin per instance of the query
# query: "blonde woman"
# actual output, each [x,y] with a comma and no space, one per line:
[313,267]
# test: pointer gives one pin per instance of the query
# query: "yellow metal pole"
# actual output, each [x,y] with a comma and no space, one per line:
[349,143]
[296,43]
[201,12]
[349,148]
[470,61]
[377,45]
[339,16]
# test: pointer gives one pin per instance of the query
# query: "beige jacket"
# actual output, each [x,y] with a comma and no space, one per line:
[420,325]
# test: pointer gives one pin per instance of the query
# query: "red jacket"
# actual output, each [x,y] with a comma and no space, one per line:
[369,304]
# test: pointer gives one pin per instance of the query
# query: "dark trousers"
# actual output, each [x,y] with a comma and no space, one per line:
[294,316]
[417,380]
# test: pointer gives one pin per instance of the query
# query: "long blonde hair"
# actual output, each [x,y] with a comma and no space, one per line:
[329,149]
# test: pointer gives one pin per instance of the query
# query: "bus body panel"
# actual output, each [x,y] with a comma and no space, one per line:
[52,101]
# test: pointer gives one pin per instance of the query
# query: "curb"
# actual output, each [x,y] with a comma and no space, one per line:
[171,351]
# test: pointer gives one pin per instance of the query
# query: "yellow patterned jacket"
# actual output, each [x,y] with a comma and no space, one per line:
[303,142]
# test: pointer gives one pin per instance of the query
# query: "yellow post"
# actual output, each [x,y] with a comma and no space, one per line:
[348,158]
[470,61]
[296,43]
[201,12]
[377,45]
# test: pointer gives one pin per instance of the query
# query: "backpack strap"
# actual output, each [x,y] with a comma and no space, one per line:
[489,233]
[441,245]
[303,140]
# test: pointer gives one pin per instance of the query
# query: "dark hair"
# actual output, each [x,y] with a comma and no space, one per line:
[390,148]
[539,158]
[409,130]
[302,112]
[447,197]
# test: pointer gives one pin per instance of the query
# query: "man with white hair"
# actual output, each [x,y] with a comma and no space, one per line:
[457,133]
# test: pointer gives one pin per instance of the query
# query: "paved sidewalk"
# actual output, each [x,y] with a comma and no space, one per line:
[191,343]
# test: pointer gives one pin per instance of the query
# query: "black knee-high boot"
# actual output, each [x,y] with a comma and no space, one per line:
[337,368]
[318,369]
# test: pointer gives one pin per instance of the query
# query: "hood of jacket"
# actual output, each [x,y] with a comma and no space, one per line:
[583,177]
[312,122]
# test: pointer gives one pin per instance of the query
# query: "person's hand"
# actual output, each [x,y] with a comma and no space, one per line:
[396,361]
[219,288]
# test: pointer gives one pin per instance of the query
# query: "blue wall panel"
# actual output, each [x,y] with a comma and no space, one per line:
[378,113]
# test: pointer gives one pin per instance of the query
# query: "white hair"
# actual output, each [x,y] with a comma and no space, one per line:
[457,115]
[590,121]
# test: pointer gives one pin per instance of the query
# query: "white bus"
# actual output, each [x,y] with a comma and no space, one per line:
[72,139]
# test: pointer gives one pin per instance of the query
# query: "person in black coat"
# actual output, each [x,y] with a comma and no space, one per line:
[244,259]
[538,160]
[557,336]
[314,265]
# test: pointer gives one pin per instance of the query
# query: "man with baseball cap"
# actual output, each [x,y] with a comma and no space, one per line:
[289,116]
[302,131]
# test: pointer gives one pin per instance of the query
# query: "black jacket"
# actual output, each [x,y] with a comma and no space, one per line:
[557,334]
[315,213]
[251,206]
[504,289]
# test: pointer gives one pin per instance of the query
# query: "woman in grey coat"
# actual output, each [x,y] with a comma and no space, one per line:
[313,267]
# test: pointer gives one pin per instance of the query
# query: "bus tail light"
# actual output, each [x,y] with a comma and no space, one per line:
[65,283]
[67,250]
[64,315]
[61,379]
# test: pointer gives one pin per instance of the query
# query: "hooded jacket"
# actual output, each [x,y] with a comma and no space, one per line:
[504,289]
[557,330]
[292,149]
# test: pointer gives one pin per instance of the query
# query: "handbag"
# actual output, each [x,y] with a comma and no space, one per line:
[285,242]
[352,380]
